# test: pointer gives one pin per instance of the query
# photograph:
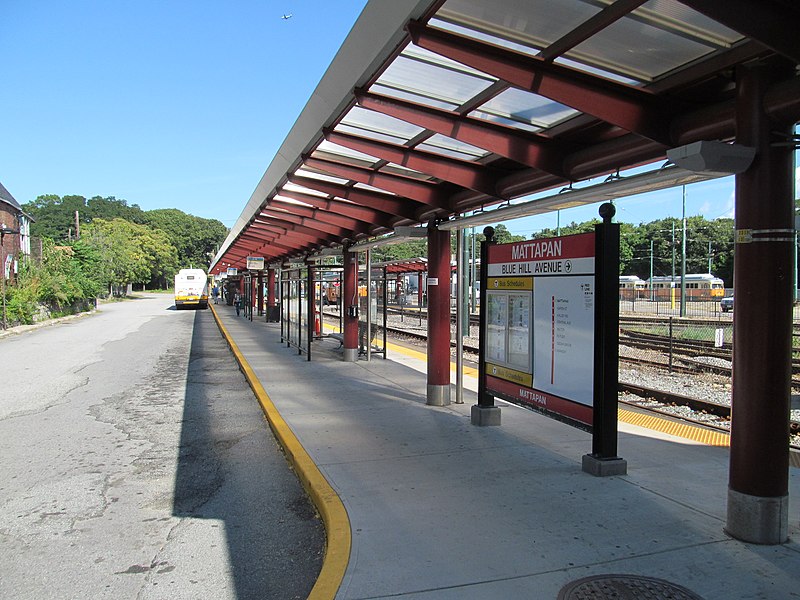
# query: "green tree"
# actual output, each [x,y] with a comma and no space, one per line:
[111,208]
[63,277]
[54,216]
[130,253]
[196,239]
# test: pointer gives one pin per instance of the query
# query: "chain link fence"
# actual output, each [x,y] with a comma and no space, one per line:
[677,342]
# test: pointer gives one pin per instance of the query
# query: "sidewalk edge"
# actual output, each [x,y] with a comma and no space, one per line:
[325,498]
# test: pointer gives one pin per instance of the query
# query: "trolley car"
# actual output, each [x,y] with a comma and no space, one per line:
[699,287]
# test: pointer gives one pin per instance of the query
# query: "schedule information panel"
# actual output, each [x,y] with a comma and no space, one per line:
[539,336]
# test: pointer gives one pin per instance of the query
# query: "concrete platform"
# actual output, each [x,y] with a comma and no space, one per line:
[440,508]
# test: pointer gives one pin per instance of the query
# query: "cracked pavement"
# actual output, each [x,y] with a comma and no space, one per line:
[135,463]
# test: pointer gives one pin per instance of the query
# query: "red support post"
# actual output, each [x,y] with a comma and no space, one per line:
[758,492]
[438,317]
[350,305]
[260,294]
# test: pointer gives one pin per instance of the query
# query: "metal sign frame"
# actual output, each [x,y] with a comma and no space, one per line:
[548,335]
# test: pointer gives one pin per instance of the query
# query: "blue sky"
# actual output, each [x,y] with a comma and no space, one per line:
[166,104]
[183,104]
[712,199]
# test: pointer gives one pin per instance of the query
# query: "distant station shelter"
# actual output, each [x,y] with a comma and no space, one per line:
[437,116]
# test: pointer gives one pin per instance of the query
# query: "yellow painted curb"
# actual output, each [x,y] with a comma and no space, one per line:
[325,498]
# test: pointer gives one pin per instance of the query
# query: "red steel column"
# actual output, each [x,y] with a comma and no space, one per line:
[271,288]
[272,315]
[350,304]
[419,289]
[260,293]
[758,500]
[438,316]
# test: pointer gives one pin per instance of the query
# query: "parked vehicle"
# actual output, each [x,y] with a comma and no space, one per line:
[191,289]
[726,304]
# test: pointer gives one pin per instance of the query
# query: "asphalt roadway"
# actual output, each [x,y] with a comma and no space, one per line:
[135,463]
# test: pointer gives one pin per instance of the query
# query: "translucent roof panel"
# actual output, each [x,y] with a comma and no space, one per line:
[596,71]
[291,187]
[372,188]
[396,169]
[511,21]
[662,43]
[446,146]
[518,106]
[353,156]
[312,174]
[426,56]
[688,22]
[427,100]
[373,124]
[287,201]
[478,114]
[422,76]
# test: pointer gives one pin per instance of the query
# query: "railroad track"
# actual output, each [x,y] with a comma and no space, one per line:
[663,398]
[720,411]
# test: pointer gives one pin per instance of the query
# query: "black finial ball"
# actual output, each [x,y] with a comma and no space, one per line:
[489,233]
[607,210]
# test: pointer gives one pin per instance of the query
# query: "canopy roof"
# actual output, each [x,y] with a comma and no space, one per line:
[434,108]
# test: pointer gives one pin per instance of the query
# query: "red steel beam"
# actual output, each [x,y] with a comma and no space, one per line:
[287,235]
[626,106]
[599,21]
[271,239]
[532,150]
[320,213]
[420,191]
[771,22]
[472,175]
[294,228]
[393,205]
[372,219]
[305,221]
[289,207]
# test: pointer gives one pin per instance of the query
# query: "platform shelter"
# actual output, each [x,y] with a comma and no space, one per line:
[434,110]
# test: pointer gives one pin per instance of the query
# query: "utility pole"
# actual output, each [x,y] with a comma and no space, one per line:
[683,258]
[673,250]
[77,226]
[652,288]
[709,256]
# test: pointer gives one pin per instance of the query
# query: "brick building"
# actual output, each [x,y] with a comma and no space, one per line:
[17,244]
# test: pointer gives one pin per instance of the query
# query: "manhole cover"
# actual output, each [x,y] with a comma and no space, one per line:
[624,587]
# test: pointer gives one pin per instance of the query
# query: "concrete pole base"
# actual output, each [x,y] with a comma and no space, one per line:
[604,467]
[350,355]
[484,416]
[756,519]
[438,395]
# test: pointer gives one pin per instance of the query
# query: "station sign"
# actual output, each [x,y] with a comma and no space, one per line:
[540,326]
[255,263]
[232,271]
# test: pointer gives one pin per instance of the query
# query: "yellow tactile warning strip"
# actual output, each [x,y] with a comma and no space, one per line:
[654,422]
[325,498]
[676,428]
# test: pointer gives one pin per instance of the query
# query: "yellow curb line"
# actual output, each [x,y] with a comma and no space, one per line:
[410,352]
[325,498]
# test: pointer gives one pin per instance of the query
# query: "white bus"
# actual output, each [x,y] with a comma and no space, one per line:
[191,288]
